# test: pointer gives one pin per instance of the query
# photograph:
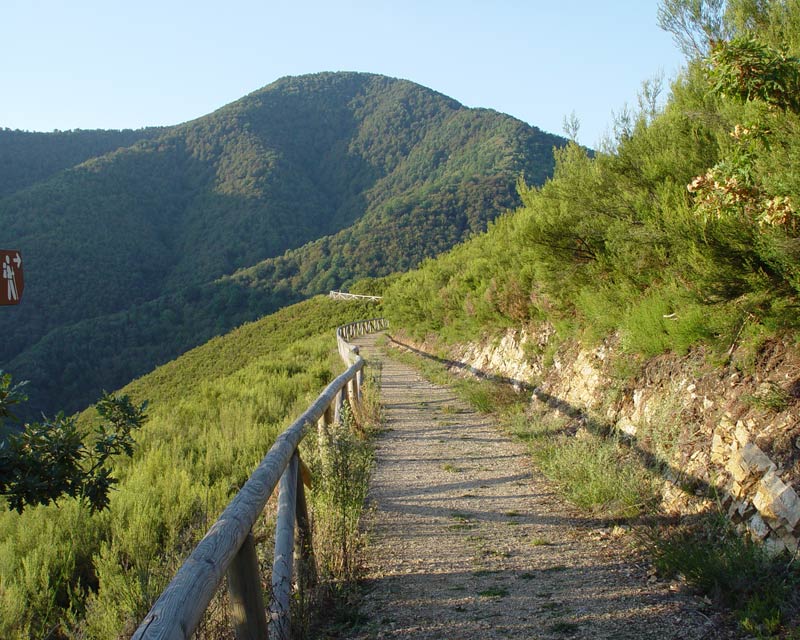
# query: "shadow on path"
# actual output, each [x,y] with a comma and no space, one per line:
[668,471]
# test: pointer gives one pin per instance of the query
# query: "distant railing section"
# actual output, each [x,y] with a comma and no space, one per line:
[345,333]
[342,295]
[229,547]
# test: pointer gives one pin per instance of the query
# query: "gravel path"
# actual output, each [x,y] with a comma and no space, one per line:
[467,541]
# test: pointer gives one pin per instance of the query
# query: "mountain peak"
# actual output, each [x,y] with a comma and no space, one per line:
[305,184]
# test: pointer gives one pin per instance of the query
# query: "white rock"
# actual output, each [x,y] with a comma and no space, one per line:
[774,546]
[757,461]
[777,501]
[627,426]
[742,434]
[719,450]
[757,527]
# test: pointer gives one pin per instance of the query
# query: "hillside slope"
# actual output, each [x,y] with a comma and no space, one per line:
[212,415]
[124,252]
[649,294]
[28,157]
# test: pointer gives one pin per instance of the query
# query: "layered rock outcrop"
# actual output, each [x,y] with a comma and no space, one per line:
[710,429]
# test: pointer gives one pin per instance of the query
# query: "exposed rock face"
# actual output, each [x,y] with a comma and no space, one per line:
[504,357]
[702,423]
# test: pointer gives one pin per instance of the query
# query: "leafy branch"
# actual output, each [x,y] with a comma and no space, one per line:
[51,459]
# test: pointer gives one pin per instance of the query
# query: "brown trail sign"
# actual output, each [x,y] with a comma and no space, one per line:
[12,283]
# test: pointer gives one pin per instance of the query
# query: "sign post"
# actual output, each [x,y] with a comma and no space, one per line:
[12,283]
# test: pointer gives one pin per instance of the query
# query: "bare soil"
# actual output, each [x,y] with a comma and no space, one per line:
[467,540]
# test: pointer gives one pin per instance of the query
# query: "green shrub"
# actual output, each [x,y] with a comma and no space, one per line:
[597,474]
[213,415]
[734,571]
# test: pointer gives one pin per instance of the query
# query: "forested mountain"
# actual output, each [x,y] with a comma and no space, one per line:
[130,256]
[27,157]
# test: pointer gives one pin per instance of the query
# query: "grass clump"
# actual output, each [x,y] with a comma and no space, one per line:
[770,397]
[564,627]
[338,500]
[494,592]
[540,542]
[342,460]
[733,571]
[596,473]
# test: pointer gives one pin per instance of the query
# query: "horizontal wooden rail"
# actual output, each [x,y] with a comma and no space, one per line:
[179,609]
[345,333]
[342,295]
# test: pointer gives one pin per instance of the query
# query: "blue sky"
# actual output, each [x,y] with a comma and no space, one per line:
[67,64]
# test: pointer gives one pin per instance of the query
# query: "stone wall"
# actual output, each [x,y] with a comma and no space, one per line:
[686,414]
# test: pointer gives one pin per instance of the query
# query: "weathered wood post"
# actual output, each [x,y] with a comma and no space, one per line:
[304,548]
[338,406]
[359,384]
[228,546]
[280,620]
[322,431]
[247,599]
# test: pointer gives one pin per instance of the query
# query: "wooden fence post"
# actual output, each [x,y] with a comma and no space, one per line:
[338,405]
[304,548]
[280,621]
[322,435]
[247,599]
[228,545]
[359,384]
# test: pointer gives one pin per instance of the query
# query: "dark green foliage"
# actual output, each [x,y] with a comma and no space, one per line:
[734,571]
[10,395]
[27,157]
[303,186]
[48,460]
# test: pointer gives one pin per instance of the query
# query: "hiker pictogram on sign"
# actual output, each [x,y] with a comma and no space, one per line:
[12,284]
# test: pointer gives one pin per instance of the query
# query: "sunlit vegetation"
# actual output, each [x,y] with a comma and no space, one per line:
[212,416]
[682,229]
[681,233]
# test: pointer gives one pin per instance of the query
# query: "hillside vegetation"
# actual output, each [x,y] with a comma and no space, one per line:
[131,257]
[28,157]
[213,414]
[681,230]
[679,237]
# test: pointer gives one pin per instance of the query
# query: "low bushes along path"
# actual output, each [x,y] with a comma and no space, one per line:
[467,540]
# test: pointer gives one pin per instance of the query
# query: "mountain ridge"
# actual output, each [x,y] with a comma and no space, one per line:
[145,231]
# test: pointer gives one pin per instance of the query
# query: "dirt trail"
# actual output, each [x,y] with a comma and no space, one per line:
[468,541]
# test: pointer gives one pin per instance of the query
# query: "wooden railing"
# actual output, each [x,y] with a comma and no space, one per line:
[342,295]
[229,548]
[346,332]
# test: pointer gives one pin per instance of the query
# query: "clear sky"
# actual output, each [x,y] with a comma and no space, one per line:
[67,64]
